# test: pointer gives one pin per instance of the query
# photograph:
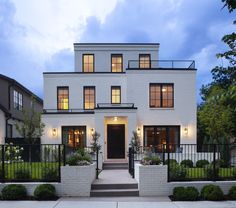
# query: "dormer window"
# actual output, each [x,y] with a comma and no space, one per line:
[144,61]
[116,63]
[88,62]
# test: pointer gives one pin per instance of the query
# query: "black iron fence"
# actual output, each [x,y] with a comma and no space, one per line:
[37,162]
[189,162]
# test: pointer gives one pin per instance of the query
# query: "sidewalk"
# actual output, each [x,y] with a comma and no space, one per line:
[121,202]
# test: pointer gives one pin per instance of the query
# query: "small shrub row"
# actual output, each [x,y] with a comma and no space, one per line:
[79,158]
[208,192]
[19,192]
[151,160]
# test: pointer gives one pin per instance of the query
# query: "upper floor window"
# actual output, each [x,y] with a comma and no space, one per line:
[116,63]
[115,95]
[63,98]
[144,61]
[161,95]
[89,97]
[88,62]
[18,100]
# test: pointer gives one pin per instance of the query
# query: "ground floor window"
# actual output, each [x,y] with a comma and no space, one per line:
[161,136]
[74,136]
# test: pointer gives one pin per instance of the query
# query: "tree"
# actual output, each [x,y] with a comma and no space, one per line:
[31,128]
[95,142]
[135,141]
[231,4]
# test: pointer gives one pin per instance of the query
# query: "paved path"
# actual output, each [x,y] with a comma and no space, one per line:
[128,202]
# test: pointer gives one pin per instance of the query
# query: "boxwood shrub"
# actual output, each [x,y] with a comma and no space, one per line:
[171,162]
[185,194]
[14,192]
[45,192]
[209,171]
[50,174]
[178,172]
[22,174]
[232,193]
[212,193]
[202,163]
[187,163]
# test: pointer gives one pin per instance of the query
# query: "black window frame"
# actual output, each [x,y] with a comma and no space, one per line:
[116,87]
[17,100]
[88,54]
[161,94]
[84,88]
[117,55]
[59,88]
[145,54]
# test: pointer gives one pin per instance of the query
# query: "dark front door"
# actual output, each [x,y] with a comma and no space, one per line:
[115,141]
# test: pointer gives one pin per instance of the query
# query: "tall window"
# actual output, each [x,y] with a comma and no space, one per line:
[88,62]
[63,98]
[144,61]
[161,95]
[18,100]
[89,97]
[116,63]
[115,95]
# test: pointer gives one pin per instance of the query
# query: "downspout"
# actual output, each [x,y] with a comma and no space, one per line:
[7,118]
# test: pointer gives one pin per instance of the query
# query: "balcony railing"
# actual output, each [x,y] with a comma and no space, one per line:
[162,64]
[116,106]
[57,111]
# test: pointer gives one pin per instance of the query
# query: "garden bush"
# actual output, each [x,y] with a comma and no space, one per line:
[187,163]
[22,174]
[234,172]
[212,193]
[45,192]
[202,163]
[50,174]
[172,162]
[220,163]
[232,193]
[209,171]
[185,194]
[14,192]
[151,160]
[178,172]
[80,157]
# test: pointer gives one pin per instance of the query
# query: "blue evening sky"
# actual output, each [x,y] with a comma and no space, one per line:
[37,36]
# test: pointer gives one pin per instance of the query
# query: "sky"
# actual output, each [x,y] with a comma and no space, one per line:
[37,36]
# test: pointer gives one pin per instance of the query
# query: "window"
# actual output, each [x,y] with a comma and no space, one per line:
[161,95]
[144,61]
[160,136]
[18,100]
[116,63]
[63,98]
[74,136]
[89,97]
[88,63]
[115,95]
[9,131]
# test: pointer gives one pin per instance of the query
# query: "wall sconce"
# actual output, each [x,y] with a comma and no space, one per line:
[138,131]
[186,131]
[54,132]
[92,131]
[115,118]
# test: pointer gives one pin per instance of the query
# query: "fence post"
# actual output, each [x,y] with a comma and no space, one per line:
[168,162]
[59,158]
[64,154]
[3,163]
[214,162]
[97,169]
[163,154]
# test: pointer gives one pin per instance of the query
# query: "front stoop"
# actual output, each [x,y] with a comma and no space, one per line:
[115,166]
[114,190]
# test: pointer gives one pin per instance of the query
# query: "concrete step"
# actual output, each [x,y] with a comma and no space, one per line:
[115,166]
[114,193]
[114,186]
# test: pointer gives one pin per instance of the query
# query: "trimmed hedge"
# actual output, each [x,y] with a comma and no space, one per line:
[178,172]
[187,163]
[209,171]
[171,162]
[45,192]
[202,163]
[50,174]
[232,193]
[185,194]
[212,193]
[14,192]
[22,174]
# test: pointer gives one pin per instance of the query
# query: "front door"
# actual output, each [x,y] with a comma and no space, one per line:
[115,141]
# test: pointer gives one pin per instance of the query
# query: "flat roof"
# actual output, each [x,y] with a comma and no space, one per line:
[119,44]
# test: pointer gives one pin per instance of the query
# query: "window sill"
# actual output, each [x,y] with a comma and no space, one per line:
[161,108]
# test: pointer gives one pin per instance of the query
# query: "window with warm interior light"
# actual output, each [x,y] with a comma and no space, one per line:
[161,95]
[116,63]
[63,98]
[88,62]
[115,95]
[144,61]
[89,97]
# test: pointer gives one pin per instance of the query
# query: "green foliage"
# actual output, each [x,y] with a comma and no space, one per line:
[14,192]
[22,174]
[231,4]
[13,153]
[172,162]
[232,193]
[234,172]
[50,174]
[187,163]
[80,157]
[185,194]
[151,160]
[135,141]
[212,193]
[95,142]
[45,192]
[209,171]
[31,127]
[220,163]
[178,172]
[202,163]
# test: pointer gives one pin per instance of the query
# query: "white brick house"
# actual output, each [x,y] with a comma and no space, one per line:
[116,89]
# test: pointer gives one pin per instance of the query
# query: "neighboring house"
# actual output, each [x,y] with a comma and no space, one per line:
[117,89]
[13,100]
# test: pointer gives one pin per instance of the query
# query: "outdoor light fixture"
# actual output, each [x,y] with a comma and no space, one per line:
[92,131]
[186,131]
[54,132]
[115,118]
[138,131]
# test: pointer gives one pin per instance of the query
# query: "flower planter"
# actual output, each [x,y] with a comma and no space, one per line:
[77,180]
[152,180]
